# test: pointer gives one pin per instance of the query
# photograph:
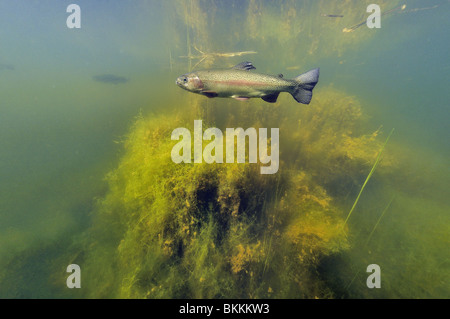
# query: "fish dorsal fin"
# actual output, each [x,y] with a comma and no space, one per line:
[247,66]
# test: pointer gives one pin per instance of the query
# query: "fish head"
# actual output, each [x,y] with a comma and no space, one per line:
[190,82]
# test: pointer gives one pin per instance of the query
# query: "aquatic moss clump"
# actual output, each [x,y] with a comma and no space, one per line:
[213,230]
[331,142]
[167,230]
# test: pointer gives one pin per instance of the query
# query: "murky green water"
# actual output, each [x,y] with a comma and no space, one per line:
[86,116]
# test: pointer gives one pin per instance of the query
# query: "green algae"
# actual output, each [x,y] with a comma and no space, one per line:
[225,230]
[269,236]
[368,177]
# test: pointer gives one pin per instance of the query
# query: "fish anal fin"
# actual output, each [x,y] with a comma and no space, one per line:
[210,94]
[247,66]
[271,98]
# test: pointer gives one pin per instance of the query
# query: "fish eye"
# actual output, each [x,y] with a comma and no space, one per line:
[184,80]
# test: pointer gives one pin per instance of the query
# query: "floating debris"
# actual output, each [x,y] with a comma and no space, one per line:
[332,15]
[356,26]
[421,9]
[399,9]
[353,28]
[110,79]
[213,55]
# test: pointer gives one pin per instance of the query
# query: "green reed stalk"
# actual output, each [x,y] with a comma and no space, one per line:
[379,219]
[368,177]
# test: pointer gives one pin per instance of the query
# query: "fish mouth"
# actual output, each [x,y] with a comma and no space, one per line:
[189,82]
[181,82]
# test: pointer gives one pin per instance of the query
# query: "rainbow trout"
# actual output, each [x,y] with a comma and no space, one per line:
[241,84]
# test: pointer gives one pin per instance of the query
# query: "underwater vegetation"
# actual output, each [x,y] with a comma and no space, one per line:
[110,79]
[293,33]
[347,193]
[166,230]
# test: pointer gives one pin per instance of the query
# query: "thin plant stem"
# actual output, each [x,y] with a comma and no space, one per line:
[353,279]
[367,179]
[379,219]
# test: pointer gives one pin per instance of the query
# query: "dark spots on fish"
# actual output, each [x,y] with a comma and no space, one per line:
[280,76]
[110,79]
[210,94]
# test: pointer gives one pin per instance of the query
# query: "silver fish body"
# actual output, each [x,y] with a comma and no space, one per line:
[241,84]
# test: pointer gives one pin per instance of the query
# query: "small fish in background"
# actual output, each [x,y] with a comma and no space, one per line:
[332,15]
[241,84]
[8,67]
[204,56]
[110,79]
[396,9]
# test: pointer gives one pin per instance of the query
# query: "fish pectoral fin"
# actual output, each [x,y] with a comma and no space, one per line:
[271,98]
[210,94]
[240,98]
[247,66]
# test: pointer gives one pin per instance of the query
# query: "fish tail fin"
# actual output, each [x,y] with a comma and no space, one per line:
[306,82]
